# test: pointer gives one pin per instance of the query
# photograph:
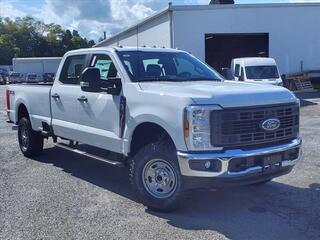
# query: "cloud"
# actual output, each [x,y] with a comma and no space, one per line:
[8,10]
[92,17]
[126,12]
[304,1]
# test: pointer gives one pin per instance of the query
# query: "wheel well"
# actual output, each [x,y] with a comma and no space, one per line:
[146,133]
[22,112]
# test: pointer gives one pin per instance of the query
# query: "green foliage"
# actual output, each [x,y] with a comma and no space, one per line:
[28,37]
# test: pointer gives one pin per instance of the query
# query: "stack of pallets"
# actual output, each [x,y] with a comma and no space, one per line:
[299,82]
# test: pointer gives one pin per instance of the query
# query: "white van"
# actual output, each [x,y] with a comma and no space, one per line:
[257,70]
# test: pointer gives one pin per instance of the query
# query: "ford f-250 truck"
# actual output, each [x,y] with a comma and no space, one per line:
[170,117]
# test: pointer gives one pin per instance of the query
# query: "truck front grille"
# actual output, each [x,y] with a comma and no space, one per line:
[242,127]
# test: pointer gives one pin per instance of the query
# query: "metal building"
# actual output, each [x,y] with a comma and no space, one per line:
[217,33]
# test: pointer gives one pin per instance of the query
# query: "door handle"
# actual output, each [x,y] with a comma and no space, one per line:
[55,96]
[82,99]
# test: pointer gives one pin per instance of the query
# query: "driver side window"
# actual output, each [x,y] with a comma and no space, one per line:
[106,66]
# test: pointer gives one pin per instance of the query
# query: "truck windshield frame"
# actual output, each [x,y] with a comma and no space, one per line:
[262,72]
[147,66]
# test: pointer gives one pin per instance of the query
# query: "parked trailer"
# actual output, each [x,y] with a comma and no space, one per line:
[38,65]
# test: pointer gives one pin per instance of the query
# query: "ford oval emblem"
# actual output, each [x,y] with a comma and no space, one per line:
[270,124]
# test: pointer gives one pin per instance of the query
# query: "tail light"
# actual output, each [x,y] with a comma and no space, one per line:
[8,98]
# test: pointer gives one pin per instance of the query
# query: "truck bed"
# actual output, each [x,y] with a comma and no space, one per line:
[36,98]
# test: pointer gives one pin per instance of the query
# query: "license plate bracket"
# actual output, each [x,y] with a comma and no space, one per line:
[271,162]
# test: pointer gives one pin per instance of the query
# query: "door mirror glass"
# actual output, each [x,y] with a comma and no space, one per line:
[90,80]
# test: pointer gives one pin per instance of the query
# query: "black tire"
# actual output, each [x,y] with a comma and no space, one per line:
[30,141]
[164,153]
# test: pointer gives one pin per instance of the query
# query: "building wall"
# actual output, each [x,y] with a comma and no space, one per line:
[153,32]
[156,32]
[293,30]
[128,39]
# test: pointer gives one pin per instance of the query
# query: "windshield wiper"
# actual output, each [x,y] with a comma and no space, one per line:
[168,79]
[161,79]
[203,79]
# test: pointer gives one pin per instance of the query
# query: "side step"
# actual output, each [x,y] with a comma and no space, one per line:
[75,150]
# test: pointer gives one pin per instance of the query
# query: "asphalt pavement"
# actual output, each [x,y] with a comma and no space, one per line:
[61,195]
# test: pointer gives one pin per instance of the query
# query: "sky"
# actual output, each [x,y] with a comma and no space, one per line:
[92,17]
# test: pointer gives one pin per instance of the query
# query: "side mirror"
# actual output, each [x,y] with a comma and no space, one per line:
[90,80]
[241,77]
[227,73]
[112,86]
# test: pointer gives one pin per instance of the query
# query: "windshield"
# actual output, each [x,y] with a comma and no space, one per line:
[262,72]
[165,66]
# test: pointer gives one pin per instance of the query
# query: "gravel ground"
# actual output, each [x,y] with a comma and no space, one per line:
[61,195]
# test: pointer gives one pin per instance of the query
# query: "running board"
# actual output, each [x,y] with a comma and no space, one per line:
[83,153]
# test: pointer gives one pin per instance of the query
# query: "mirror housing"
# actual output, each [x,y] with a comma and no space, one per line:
[241,78]
[90,80]
[112,86]
[227,74]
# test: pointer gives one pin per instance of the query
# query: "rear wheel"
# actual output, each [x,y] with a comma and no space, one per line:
[155,176]
[30,141]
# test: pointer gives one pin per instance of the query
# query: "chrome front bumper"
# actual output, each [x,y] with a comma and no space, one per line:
[228,155]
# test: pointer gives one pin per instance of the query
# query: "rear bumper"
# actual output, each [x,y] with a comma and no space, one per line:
[253,173]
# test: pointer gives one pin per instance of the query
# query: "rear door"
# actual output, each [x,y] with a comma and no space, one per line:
[99,112]
[64,98]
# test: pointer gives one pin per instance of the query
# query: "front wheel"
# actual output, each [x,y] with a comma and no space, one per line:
[30,141]
[155,176]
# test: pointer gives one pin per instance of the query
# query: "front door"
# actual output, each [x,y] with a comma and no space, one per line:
[99,112]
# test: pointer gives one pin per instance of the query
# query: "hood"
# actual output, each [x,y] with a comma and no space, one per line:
[225,94]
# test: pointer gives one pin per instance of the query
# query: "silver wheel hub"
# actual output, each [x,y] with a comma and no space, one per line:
[24,137]
[159,178]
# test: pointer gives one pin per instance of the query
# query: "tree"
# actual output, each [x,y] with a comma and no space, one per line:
[28,37]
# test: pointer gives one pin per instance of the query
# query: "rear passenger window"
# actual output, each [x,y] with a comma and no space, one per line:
[237,70]
[72,69]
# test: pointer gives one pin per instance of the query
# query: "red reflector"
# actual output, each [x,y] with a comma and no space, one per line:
[8,98]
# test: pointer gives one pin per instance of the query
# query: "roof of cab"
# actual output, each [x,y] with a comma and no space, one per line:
[255,61]
[119,49]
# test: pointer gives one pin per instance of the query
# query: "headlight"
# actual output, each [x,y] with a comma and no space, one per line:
[197,127]
[280,84]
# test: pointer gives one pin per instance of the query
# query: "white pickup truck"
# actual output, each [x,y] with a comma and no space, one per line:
[170,117]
